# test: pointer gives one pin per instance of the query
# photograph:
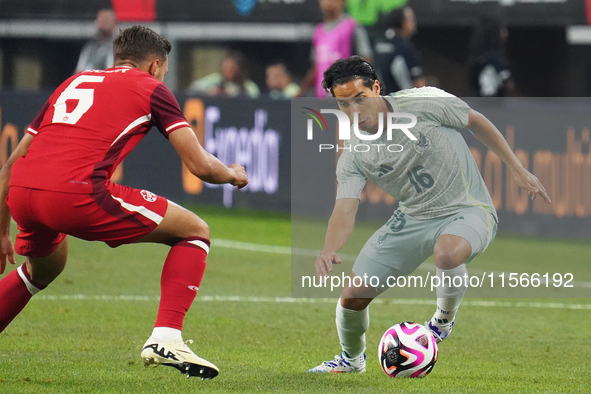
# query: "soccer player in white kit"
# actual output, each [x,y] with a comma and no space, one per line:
[444,206]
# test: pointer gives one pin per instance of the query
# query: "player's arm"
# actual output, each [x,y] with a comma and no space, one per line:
[490,136]
[6,249]
[340,228]
[203,164]
[168,118]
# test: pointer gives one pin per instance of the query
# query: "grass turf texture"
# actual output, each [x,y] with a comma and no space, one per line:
[92,345]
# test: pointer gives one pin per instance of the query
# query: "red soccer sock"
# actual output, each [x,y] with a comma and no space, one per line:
[181,278]
[16,289]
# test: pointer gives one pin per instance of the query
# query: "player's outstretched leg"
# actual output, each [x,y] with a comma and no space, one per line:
[18,287]
[181,277]
[450,253]
[352,320]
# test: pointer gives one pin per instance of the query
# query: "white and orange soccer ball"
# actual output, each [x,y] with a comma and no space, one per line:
[407,350]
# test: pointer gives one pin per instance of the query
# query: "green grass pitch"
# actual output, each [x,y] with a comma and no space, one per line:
[84,333]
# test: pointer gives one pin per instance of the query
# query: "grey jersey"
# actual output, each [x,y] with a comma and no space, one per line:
[432,177]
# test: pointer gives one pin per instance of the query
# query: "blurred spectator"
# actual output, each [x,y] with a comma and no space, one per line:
[279,81]
[488,73]
[397,57]
[231,81]
[97,54]
[339,36]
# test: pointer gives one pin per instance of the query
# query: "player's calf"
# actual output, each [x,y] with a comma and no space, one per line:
[18,287]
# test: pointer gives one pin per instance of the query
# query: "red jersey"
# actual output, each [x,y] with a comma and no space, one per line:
[88,126]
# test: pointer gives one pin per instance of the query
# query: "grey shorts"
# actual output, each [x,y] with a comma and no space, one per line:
[403,243]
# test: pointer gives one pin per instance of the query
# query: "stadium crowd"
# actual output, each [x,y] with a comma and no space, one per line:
[388,45]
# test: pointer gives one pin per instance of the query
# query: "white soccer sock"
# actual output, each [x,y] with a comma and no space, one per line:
[167,334]
[351,326]
[449,296]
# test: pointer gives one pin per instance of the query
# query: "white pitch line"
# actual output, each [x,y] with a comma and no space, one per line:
[286,250]
[230,244]
[289,300]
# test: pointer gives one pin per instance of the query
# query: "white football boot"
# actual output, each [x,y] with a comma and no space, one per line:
[341,365]
[178,355]
[439,331]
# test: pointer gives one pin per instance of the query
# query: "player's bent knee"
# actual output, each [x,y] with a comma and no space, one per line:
[200,228]
[180,223]
[44,270]
[193,225]
[357,298]
[448,256]
[442,255]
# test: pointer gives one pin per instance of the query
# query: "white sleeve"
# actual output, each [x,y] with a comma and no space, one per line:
[454,112]
[440,106]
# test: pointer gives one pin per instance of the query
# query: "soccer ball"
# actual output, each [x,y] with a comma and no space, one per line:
[407,350]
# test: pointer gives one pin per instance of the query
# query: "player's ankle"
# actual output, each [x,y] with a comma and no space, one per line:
[354,361]
[441,322]
[167,334]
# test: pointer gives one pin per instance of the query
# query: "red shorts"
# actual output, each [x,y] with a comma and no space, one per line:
[116,215]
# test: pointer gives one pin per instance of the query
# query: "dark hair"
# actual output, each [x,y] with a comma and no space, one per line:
[396,18]
[346,70]
[240,60]
[279,62]
[137,43]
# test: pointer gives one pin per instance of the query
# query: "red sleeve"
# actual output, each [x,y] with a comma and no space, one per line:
[165,110]
[33,129]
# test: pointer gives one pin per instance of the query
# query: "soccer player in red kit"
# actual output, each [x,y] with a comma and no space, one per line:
[56,182]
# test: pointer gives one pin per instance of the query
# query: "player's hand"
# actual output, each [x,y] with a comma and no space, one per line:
[6,251]
[531,183]
[240,179]
[324,264]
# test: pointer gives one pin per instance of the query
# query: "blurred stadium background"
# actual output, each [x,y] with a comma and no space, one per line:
[548,44]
